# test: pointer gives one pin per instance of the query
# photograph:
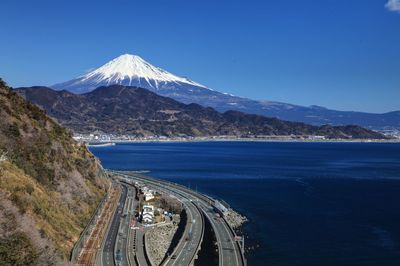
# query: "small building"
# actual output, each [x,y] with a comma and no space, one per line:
[316,137]
[148,214]
[148,196]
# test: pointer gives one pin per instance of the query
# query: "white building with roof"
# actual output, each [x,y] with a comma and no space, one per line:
[148,196]
[148,214]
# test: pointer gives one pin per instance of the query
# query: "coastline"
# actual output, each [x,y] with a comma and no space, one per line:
[98,143]
[260,199]
[221,214]
[233,217]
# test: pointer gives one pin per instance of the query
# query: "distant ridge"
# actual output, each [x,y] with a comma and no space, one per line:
[132,70]
[135,111]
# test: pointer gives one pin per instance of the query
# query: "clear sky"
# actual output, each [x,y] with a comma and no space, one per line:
[341,54]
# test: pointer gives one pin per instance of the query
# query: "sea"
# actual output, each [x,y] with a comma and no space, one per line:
[307,203]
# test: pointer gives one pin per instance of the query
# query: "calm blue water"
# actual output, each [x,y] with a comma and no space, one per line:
[308,203]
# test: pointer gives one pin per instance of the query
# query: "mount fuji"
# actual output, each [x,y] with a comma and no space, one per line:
[127,70]
[132,70]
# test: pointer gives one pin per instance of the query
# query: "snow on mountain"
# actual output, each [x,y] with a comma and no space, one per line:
[131,70]
[128,70]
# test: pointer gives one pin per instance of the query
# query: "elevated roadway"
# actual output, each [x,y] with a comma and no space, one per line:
[230,251]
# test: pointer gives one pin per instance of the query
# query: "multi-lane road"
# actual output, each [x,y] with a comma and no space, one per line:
[123,237]
[124,246]
[230,252]
[107,255]
[187,248]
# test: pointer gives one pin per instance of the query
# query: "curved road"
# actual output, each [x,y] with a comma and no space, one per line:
[187,248]
[229,249]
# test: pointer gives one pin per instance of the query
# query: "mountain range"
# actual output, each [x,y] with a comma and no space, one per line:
[136,111]
[132,70]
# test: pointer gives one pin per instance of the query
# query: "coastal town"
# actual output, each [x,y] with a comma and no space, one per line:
[100,137]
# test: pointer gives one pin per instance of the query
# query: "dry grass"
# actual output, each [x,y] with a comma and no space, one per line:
[48,182]
[53,219]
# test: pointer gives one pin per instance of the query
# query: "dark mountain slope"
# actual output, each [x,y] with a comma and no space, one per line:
[130,110]
[49,185]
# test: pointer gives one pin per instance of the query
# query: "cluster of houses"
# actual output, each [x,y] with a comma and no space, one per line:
[149,213]
[99,136]
[148,210]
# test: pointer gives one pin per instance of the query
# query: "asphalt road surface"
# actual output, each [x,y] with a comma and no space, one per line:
[187,247]
[229,250]
[108,249]
[121,243]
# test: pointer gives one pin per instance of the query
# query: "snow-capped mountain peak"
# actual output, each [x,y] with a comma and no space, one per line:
[128,70]
[132,70]
[133,66]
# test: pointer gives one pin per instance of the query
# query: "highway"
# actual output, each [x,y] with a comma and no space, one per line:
[107,254]
[130,241]
[140,251]
[229,250]
[121,244]
[117,238]
[187,248]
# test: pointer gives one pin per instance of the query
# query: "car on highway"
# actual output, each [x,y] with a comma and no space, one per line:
[118,255]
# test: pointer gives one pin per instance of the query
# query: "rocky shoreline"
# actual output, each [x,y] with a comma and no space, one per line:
[234,219]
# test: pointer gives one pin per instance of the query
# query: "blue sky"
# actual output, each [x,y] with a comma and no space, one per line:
[341,54]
